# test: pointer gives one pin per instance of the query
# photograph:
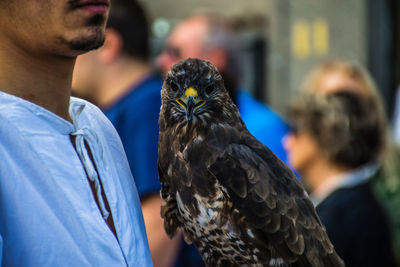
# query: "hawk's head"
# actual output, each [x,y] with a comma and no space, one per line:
[194,92]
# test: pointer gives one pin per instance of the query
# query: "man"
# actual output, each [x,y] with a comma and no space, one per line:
[67,197]
[211,37]
[119,78]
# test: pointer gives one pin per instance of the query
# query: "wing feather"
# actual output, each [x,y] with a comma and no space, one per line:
[169,210]
[272,200]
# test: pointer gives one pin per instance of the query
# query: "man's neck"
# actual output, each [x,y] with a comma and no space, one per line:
[119,80]
[41,79]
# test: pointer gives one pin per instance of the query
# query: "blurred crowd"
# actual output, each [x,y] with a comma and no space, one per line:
[335,134]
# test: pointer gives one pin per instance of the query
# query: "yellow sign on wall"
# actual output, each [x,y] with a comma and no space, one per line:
[301,39]
[310,38]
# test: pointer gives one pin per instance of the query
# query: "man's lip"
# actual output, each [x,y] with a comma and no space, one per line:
[93,3]
[94,6]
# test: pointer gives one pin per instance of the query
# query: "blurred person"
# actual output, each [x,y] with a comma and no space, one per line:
[120,79]
[211,37]
[335,144]
[335,74]
[67,197]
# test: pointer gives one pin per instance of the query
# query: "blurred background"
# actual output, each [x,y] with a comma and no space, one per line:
[281,40]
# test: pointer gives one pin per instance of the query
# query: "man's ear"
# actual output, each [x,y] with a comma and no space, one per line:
[112,47]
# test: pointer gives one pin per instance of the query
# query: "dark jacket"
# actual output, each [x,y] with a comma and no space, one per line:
[357,226]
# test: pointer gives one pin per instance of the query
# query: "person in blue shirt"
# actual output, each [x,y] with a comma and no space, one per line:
[119,78]
[67,196]
[210,37]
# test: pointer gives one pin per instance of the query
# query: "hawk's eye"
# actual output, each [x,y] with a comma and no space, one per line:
[209,89]
[174,86]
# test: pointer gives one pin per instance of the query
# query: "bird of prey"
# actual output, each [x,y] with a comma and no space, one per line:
[235,200]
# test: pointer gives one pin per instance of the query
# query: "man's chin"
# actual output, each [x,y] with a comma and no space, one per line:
[86,44]
[88,34]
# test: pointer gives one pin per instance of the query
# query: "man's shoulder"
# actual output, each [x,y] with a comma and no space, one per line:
[145,98]
[153,80]
[249,107]
[149,88]
[260,119]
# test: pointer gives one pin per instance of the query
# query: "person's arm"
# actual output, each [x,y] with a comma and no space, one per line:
[163,250]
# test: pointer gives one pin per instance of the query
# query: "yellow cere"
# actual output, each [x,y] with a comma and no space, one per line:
[191,92]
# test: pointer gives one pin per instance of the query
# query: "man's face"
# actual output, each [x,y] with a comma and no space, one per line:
[59,27]
[185,41]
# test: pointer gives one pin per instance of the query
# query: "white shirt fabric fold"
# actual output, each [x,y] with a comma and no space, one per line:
[48,214]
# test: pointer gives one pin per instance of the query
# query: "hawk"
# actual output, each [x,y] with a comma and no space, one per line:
[235,200]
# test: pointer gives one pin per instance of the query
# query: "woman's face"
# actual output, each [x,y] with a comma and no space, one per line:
[301,149]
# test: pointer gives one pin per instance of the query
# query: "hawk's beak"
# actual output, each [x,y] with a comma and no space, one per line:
[191,102]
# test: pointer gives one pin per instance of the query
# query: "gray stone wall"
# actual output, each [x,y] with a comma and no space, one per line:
[305,32]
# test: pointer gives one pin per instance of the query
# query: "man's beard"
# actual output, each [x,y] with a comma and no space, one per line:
[87,43]
[94,40]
